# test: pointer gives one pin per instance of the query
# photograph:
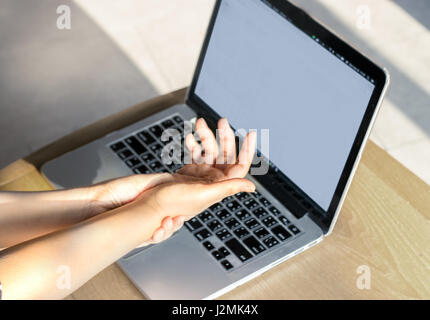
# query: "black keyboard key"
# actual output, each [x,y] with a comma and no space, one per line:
[117,146]
[241,232]
[270,242]
[157,148]
[133,143]
[242,214]
[228,199]
[238,249]
[261,233]
[223,214]
[178,120]
[146,137]
[257,194]
[142,170]
[214,225]
[260,213]
[284,220]
[215,207]
[208,245]
[233,205]
[168,123]
[254,245]
[275,211]
[156,131]
[242,195]
[193,224]
[125,154]
[265,202]
[224,251]
[227,265]
[252,223]
[205,216]
[269,221]
[147,157]
[217,255]
[223,234]
[294,229]
[250,203]
[132,162]
[281,233]
[156,166]
[202,234]
[232,223]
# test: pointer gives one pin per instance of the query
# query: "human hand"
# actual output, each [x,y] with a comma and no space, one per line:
[216,165]
[210,165]
[166,206]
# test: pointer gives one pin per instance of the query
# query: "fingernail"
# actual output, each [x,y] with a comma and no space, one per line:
[169,223]
[158,235]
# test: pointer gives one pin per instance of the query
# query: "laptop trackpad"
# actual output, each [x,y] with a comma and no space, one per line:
[178,268]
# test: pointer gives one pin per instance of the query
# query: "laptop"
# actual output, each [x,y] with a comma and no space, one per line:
[265,65]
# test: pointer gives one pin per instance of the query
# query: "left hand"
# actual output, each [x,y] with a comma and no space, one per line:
[217,164]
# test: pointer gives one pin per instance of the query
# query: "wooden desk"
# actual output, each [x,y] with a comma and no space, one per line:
[384,225]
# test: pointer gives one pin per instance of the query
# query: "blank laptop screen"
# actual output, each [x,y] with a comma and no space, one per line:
[262,72]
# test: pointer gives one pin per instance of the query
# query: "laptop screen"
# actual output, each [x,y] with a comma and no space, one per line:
[262,72]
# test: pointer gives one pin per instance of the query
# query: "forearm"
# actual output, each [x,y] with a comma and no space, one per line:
[27,215]
[29,270]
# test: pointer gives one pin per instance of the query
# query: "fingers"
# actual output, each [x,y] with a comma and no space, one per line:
[227,153]
[246,155]
[178,222]
[195,149]
[168,227]
[158,235]
[208,140]
[164,231]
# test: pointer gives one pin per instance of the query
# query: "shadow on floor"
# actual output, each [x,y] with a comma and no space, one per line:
[404,92]
[52,81]
[419,9]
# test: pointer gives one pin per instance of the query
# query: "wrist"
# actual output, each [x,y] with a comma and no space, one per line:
[91,204]
[97,199]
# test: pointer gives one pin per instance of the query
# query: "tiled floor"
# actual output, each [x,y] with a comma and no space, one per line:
[159,40]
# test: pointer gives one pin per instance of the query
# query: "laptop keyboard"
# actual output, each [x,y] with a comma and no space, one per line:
[233,231]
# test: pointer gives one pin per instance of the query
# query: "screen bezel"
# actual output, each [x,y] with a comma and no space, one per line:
[307,24]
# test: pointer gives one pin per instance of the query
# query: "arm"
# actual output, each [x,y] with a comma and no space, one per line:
[137,208]
[29,270]
[28,215]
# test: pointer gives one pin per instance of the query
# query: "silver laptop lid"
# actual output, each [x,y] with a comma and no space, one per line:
[268,65]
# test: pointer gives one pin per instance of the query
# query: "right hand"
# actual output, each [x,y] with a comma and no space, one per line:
[197,186]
